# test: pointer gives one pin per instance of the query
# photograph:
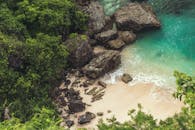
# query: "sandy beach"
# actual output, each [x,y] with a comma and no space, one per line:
[119,98]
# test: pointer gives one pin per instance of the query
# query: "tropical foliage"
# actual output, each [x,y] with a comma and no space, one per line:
[33,58]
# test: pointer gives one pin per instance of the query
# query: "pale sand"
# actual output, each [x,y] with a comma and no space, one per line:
[120,98]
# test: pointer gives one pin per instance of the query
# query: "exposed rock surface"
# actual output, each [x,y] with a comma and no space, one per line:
[106,36]
[102,64]
[135,16]
[97,19]
[86,118]
[80,51]
[116,44]
[126,78]
[127,36]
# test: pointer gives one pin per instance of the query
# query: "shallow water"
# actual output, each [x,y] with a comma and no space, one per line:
[156,54]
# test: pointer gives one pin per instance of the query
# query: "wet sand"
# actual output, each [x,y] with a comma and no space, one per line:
[119,98]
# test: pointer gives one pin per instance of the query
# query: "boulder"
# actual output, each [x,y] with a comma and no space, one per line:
[86,118]
[102,64]
[116,44]
[127,36]
[97,19]
[135,16]
[126,78]
[80,51]
[106,36]
[76,106]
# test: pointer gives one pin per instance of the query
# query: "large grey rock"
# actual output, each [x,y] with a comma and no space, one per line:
[80,51]
[116,44]
[106,36]
[102,64]
[86,118]
[127,36]
[135,16]
[98,21]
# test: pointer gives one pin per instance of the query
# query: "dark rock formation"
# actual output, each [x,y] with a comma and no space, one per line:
[102,64]
[80,51]
[135,16]
[69,123]
[86,118]
[106,36]
[76,106]
[126,78]
[127,36]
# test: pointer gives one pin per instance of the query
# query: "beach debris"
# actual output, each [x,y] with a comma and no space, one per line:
[86,118]
[126,78]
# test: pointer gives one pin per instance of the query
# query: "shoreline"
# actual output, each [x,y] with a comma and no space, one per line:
[119,98]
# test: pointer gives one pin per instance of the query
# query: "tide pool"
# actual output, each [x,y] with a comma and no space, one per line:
[158,53]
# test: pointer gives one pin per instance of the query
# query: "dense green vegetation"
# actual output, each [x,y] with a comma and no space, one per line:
[32,58]
[141,121]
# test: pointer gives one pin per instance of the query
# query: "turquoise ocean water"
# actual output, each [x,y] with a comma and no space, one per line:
[156,54]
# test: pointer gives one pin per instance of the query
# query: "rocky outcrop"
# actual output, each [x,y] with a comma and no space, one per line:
[80,51]
[127,36]
[126,78]
[135,16]
[102,64]
[116,44]
[106,36]
[97,19]
[86,118]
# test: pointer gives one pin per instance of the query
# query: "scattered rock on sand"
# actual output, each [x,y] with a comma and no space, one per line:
[86,118]
[100,114]
[126,78]
[135,16]
[101,83]
[76,106]
[109,111]
[69,123]
[102,64]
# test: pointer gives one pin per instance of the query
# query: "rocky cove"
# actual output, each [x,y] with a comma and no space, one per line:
[85,97]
